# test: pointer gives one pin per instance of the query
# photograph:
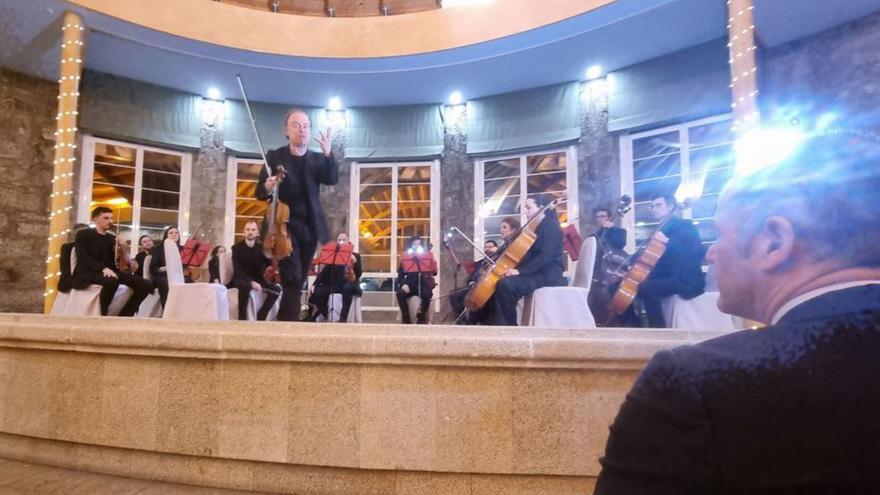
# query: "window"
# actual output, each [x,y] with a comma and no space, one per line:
[390,202]
[147,188]
[241,190]
[503,183]
[692,160]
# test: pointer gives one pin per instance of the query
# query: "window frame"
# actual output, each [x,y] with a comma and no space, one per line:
[229,217]
[87,170]
[627,166]
[354,217]
[571,186]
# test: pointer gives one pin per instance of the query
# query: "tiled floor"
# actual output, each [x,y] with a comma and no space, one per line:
[18,478]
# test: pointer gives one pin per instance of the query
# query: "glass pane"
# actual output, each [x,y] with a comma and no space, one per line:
[409,193]
[246,189]
[507,206]
[162,162]
[657,167]
[500,187]
[249,171]
[655,145]
[250,208]
[376,263]
[501,168]
[113,174]
[545,163]
[712,158]
[375,210]
[161,200]
[377,284]
[164,182]
[704,207]
[414,174]
[492,226]
[408,228]
[157,219]
[114,154]
[370,175]
[714,181]
[414,209]
[374,228]
[547,182]
[375,246]
[111,196]
[375,193]
[711,134]
[646,191]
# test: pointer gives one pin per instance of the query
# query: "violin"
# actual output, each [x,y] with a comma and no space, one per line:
[276,243]
[513,253]
[123,259]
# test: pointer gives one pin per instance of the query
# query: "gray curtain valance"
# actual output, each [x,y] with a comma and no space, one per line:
[524,119]
[122,108]
[688,84]
[395,132]
[239,135]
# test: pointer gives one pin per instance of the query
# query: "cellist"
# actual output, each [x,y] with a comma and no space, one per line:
[542,265]
[305,171]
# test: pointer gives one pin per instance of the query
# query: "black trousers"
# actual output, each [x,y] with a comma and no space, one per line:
[141,286]
[425,296]
[321,297]
[244,294]
[510,290]
[294,270]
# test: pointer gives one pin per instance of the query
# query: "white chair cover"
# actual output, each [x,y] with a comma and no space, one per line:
[87,302]
[565,307]
[699,313]
[60,304]
[198,301]
[412,302]
[151,307]
[256,298]
[334,309]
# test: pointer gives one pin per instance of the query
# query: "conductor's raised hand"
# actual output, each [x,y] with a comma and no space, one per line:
[325,140]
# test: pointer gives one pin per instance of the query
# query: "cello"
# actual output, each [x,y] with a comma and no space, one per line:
[277,243]
[513,253]
[607,268]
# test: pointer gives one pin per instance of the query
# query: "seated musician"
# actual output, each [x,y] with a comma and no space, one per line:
[420,284]
[96,264]
[65,280]
[612,238]
[456,299]
[542,265]
[679,271]
[158,270]
[337,279]
[145,242]
[214,263]
[248,265]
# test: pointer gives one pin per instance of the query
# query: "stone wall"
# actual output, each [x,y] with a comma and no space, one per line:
[27,127]
[208,191]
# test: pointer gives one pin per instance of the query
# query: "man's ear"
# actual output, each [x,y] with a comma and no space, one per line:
[774,244]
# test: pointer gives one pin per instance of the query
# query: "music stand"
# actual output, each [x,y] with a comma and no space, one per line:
[195,252]
[571,241]
[334,253]
[418,263]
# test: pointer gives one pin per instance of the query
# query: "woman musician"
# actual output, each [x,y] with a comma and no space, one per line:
[416,282]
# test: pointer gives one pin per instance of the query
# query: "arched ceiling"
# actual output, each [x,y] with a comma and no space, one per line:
[621,33]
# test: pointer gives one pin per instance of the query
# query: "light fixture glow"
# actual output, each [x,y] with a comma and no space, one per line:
[594,72]
[765,147]
[213,93]
[334,104]
[456,98]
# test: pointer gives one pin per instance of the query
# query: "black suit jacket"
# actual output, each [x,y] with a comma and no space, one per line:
[613,237]
[791,408]
[319,170]
[248,264]
[94,252]
[545,257]
[679,270]
[65,280]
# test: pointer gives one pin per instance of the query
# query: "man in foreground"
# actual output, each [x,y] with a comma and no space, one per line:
[792,407]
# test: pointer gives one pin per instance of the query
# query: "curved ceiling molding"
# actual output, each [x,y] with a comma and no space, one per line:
[354,37]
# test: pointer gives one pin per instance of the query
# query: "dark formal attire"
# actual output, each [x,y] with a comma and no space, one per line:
[140,258]
[160,279]
[94,253]
[456,299]
[65,280]
[248,265]
[421,285]
[214,269]
[542,266]
[332,280]
[788,409]
[300,192]
[678,272]
[614,238]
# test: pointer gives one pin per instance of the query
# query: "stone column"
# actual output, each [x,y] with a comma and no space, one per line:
[743,69]
[598,156]
[208,189]
[72,41]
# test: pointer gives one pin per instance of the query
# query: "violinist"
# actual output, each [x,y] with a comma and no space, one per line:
[542,265]
[248,265]
[214,263]
[158,270]
[420,284]
[96,264]
[337,279]
[305,171]
[679,271]
[145,243]
[613,238]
